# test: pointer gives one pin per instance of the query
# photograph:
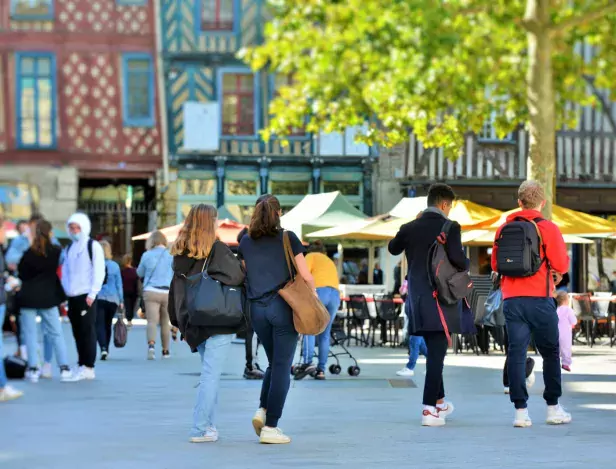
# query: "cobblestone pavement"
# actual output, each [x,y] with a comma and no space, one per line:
[137,415]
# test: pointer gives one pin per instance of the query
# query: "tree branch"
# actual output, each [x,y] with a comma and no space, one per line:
[584,18]
[604,104]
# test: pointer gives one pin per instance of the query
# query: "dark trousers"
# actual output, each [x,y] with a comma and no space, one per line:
[530,363]
[434,390]
[273,323]
[536,316]
[249,333]
[83,322]
[130,305]
[105,311]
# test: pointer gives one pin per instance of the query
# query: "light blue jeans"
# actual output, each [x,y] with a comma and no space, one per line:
[213,356]
[52,329]
[3,379]
[330,297]
[417,345]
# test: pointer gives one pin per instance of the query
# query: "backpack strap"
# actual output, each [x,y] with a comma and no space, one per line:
[535,222]
[90,244]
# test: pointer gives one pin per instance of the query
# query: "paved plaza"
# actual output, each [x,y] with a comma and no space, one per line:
[137,415]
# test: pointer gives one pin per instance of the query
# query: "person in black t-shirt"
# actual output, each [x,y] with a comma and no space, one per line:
[272,318]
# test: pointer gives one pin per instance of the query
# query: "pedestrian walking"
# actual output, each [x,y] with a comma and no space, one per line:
[197,250]
[109,299]
[267,272]
[325,275]
[567,320]
[528,251]
[83,274]
[130,284]
[7,392]
[40,294]
[156,272]
[427,319]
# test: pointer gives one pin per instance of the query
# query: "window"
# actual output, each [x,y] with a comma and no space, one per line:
[279,82]
[200,187]
[132,2]
[217,15]
[345,188]
[240,188]
[138,104]
[32,9]
[488,133]
[238,104]
[280,188]
[36,100]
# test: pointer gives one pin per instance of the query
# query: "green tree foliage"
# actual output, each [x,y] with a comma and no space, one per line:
[438,68]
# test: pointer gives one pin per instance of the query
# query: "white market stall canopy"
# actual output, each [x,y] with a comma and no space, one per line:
[318,211]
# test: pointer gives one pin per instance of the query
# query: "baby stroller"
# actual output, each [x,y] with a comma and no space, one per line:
[337,339]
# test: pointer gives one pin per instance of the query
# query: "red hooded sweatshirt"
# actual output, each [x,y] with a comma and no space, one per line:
[555,251]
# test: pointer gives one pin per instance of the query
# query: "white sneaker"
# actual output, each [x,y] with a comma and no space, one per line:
[522,419]
[506,390]
[530,381]
[445,409]
[9,393]
[431,418]
[33,375]
[83,373]
[66,375]
[210,436]
[258,421]
[151,353]
[557,415]
[46,371]
[405,372]
[273,436]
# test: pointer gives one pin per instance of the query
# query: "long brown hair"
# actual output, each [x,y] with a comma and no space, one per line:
[198,234]
[42,237]
[265,219]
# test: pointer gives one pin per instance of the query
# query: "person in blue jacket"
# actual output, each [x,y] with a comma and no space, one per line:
[108,300]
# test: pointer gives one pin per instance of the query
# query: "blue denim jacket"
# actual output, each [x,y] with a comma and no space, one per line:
[112,291]
[20,245]
[156,268]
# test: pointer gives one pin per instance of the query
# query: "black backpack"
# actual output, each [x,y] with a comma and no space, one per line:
[450,284]
[90,243]
[519,247]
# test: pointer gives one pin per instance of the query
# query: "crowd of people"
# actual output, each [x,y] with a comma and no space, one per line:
[529,255]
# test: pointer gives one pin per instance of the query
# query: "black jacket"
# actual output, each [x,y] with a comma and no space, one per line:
[41,287]
[224,267]
[415,239]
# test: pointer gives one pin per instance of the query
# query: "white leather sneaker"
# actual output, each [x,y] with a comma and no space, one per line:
[9,393]
[445,409]
[557,415]
[273,436]
[210,436]
[46,371]
[431,418]
[522,419]
[258,421]
[405,372]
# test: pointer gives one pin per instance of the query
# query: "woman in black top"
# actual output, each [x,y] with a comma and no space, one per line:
[266,272]
[41,293]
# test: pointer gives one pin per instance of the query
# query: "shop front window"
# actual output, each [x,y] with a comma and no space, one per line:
[345,187]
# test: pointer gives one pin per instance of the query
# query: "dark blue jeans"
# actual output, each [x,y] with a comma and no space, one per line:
[536,316]
[272,320]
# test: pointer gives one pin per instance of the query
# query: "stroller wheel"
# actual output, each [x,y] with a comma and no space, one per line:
[335,369]
[354,370]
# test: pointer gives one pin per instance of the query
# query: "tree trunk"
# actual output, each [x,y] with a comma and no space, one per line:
[541,163]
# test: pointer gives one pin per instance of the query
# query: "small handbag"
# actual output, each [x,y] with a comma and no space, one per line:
[309,315]
[212,304]
[120,332]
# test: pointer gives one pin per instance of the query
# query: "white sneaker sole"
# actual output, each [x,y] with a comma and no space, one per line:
[563,421]
[12,397]
[274,441]
[258,425]
[433,423]
[522,423]
[203,439]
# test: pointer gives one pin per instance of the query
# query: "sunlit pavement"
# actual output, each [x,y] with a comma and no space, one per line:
[137,415]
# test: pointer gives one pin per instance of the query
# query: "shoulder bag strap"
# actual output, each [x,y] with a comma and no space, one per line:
[206,262]
[288,254]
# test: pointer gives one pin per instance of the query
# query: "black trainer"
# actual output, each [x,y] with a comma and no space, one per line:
[253,372]
[305,370]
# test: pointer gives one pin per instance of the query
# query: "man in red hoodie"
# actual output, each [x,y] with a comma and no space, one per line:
[530,309]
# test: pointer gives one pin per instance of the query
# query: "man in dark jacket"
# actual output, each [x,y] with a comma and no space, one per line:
[415,239]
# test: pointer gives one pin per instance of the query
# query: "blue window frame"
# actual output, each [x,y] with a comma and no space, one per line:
[32,9]
[138,90]
[220,17]
[36,99]
[238,95]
